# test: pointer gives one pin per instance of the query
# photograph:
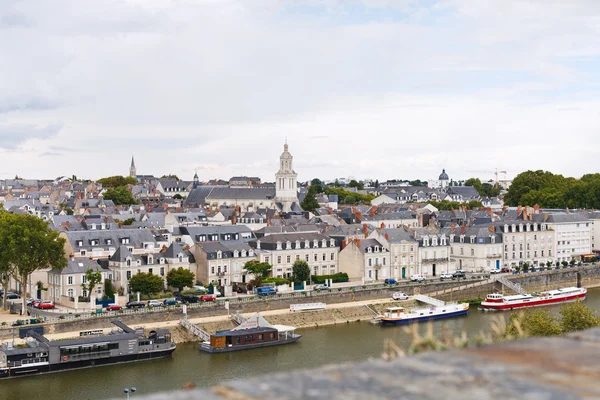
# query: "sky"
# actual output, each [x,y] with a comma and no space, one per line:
[372,89]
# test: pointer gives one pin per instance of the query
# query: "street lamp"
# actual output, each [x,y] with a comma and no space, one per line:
[128,390]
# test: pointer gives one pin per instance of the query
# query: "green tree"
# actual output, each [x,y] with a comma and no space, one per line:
[180,278]
[577,317]
[476,184]
[316,181]
[146,283]
[6,262]
[28,244]
[127,222]
[170,177]
[355,184]
[260,270]
[534,322]
[92,279]
[310,202]
[120,196]
[109,290]
[116,181]
[177,196]
[417,182]
[300,271]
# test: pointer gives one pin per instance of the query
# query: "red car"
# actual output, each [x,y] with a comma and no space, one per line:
[207,297]
[36,303]
[113,307]
[46,305]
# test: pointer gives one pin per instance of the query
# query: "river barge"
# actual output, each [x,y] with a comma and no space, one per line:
[497,301]
[401,316]
[253,333]
[44,356]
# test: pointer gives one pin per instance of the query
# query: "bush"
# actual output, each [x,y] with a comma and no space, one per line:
[339,277]
[277,281]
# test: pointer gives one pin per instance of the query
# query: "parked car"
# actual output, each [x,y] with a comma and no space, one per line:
[113,307]
[417,278]
[29,301]
[12,296]
[321,286]
[189,298]
[135,304]
[265,291]
[207,297]
[155,303]
[46,305]
[200,289]
[170,302]
[399,296]
[459,275]
[505,269]
[390,281]
[445,276]
[36,303]
[495,271]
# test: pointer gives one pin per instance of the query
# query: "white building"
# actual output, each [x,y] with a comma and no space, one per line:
[366,260]
[573,235]
[477,248]
[286,180]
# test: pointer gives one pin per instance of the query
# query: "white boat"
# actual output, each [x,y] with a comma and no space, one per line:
[399,315]
[497,301]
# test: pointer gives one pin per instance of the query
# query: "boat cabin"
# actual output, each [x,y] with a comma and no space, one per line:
[232,338]
[395,312]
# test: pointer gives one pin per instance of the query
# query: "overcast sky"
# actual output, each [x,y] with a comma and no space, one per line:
[366,89]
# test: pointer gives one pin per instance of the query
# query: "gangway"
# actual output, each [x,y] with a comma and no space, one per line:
[514,286]
[429,300]
[203,335]
[237,318]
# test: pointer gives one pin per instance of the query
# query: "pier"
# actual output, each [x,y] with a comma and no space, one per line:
[511,285]
[203,335]
[429,300]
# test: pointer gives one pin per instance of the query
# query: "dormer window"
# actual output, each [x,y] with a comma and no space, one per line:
[108,241]
[506,228]
[161,261]
[130,249]
[150,260]
[492,239]
[426,241]
[434,241]
[93,226]
[324,243]
[251,253]
[443,240]
[332,243]
[94,242]
[236,254]
[278,245]
[103,226]
[124,240]
[315,243]
[180,258]
[376,249]
[128,262]
[243,253]
[288,245]
[297,244]
[462,238]
[472,239]
[219,254]
[369,249]
[307,244]
[80,243]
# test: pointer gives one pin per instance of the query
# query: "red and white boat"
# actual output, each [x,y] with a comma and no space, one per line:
[496,301]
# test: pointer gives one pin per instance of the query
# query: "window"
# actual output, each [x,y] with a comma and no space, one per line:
[266,259]
[150,271]
[70,293]
[84,279]
[83,252]
[289,259]
[70,280]
[316,257]
[128,275]
[333,256]
[162,271]
[324,257]
[306,257]
[472,252]
[383,260]
[278,259]
[370,263]
[128,262]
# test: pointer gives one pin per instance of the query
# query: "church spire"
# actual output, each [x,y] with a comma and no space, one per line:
[132,169]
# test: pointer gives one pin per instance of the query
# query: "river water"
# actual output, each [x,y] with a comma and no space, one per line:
[356,341]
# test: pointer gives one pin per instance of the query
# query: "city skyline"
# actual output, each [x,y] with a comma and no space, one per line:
[372,89]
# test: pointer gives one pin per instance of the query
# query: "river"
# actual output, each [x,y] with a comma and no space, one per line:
[319,346]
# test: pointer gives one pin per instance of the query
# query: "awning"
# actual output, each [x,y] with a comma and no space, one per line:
[284,328]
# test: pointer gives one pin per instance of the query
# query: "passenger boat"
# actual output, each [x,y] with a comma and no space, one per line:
[497,301]
[399,315]
[43,356]
[253,333]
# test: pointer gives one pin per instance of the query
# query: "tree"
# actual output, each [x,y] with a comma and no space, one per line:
[577,317]
[116,181]
[316,181]
[178,196]
[92,279]
[6,263]
[120,196]
[536,322]
[109,290]
[127,222]
[310,202]
[170,177]
[376,183]
[300,271]
[29,244]
[417,182]
[260,270]
[358,185]
[180,278]
[146,283]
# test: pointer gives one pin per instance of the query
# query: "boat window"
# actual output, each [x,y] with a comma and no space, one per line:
[237,340]
[260,336]
[272,336]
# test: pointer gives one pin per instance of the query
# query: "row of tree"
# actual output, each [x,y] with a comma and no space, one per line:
[554,191]
[484,189]
[454,205]
[261,270]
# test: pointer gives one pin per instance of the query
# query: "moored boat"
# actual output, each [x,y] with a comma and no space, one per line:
[42,355]
[399,315]
[253,333]
[497,301]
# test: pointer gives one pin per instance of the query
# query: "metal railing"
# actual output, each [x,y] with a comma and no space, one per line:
[195,330]
[514,286]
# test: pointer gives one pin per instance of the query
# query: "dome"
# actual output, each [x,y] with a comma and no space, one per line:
[444,176]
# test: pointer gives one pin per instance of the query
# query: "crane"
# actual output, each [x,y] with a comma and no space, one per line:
[496,173]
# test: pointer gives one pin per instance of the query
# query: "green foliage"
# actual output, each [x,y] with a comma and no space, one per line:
[337,278]
[178,196]
[170,177]
[116,181]
[127,222]
[355,184]
[348,197]
[120,196]
[69,211]
[146,283]
[310,203]
[109,290]
[484,189]
[28,244]
[300,271]
[539,322]
[92,279]
[260,270]
[454,205]
[417,182]
[554,191]
[180,278]
[277,281]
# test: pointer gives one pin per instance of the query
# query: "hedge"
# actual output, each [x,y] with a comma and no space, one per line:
[339,277]
[277,281]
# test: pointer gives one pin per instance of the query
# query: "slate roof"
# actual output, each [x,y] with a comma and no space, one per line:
[121,254]
[137,238]
[398,235]
[79,266]
[567,218]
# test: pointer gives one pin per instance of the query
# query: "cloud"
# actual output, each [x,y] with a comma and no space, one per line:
[14,135]
[380,88]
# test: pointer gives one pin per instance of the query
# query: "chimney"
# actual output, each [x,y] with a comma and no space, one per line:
[344,243]
[268,222]
[258,243]
[463,229]
[106,219]
[372,213]
[165,206]
[67,224]
[382,225]
[365,229]
[518,210]
[233,220]
[504,209]
[357,241]
[387,237]
[359,215]
[71,256]
[567,211]
[492,228]
[187,247]
[326,228]
[489,211]
[177,209]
